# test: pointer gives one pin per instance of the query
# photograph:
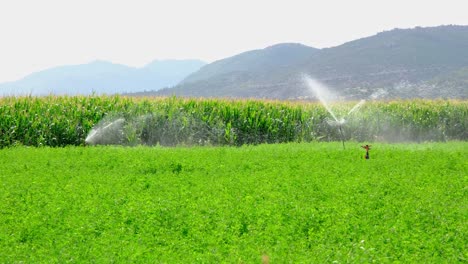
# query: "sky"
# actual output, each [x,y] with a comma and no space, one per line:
[36,35]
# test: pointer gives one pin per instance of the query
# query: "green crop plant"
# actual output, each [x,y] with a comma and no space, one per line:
[62,121]
[295,203]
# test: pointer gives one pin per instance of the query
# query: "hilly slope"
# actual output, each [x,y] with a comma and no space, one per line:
[238,75]
[102,77]
[419,62]
[401,61]
[256,61]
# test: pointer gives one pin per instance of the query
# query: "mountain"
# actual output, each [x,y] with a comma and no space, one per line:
[256,61]
[243,75]
[420,62]
[402,61]
[102,77]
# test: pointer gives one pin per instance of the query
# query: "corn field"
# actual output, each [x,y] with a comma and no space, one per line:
[61,121]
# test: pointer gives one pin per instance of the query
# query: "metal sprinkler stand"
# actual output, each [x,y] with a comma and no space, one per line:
[342,136]
[367,148]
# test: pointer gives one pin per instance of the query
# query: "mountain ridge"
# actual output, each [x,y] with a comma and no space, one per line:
[389,60]
[421,62]
[101,77]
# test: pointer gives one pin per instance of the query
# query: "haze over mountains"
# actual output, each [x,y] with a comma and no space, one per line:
[102,77]
[407,63]
[421,62]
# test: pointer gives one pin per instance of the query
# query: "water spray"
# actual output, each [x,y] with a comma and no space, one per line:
[339,124]
[321,92]
[107,132]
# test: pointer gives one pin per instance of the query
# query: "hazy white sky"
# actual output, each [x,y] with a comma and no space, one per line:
[38,34]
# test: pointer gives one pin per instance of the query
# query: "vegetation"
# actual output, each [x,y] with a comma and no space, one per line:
[299,203]
[61,121]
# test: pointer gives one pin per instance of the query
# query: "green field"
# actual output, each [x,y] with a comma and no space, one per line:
[297,203]
[64,121]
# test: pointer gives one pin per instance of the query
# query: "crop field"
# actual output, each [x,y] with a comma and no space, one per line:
[276,203]
[62,121]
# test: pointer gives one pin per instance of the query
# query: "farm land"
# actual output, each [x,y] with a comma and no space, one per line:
[301,202]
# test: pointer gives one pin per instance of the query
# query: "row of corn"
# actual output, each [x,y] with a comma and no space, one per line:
[61,121]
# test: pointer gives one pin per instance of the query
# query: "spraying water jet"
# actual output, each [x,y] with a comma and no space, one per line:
[107,132]
[324,95]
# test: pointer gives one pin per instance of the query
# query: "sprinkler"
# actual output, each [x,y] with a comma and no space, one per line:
[339,124]
[342,135]
[367,148]
[323,95]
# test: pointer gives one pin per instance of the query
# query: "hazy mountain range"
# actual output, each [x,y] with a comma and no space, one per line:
[427,62]
[421,62]
[102,77]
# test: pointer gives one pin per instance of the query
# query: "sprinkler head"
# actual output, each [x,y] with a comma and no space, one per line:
[336,122]
[366,147]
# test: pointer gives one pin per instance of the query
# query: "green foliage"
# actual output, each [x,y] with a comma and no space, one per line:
[298,203]
[61,121]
